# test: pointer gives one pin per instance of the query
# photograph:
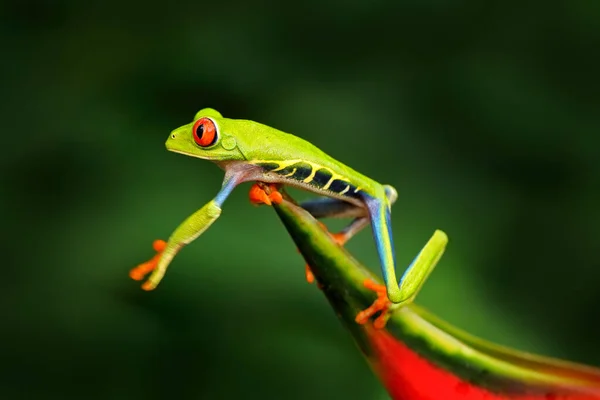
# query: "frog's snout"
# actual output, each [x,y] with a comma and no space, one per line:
[171,139]
[175,140]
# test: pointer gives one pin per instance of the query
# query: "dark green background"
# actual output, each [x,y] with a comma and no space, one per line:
[484,116]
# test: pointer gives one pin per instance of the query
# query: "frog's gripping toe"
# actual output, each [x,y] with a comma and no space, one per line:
[138,273]
[260,195]
[381,305]
[310,277]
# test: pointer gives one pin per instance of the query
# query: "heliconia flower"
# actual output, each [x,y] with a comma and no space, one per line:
[418,356]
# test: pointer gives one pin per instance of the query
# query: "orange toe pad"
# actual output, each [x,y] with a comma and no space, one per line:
[258,195]
[138,273]
[381,304]
[310,278]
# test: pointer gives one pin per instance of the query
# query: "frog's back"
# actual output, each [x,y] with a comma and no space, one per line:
[300,163]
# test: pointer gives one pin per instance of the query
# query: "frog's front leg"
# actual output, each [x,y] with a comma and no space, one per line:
[185,233]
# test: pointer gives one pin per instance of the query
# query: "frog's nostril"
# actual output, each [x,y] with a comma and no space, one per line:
[173,136]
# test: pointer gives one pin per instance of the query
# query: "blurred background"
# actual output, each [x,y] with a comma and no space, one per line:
[484,116]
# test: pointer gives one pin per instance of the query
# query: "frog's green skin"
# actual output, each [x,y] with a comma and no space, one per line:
[250,151]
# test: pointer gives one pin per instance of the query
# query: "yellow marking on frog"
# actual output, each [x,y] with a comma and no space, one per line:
[329,182]
[309,178]
[290,174]
[345,190]
[314,168]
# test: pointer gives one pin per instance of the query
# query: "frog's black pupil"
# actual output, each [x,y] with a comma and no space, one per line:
[200,130]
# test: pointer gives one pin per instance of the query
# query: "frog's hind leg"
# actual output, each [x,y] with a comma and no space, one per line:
[415,275]
[411,282]
[326,207]
[265,193]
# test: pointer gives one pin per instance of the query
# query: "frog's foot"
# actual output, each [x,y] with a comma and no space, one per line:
[138,273]
[261,193]
[310,277]
[381,304]
[340,238]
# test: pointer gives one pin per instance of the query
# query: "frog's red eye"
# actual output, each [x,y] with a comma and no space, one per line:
[205,132]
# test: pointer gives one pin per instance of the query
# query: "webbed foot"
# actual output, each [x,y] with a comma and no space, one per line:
[261,193]
[381,304]
[138,273]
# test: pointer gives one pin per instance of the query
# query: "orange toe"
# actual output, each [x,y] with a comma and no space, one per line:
[276,197]
[261,193]
[159,245]
[340,238]
[258,196]
[376,287]
[310,277]
[381,305]
[138,273]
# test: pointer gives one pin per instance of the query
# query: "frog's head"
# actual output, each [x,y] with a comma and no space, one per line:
[206,138]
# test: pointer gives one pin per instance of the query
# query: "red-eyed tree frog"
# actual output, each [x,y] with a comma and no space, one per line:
[250,151]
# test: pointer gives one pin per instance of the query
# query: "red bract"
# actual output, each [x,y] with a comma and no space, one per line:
[408,376]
